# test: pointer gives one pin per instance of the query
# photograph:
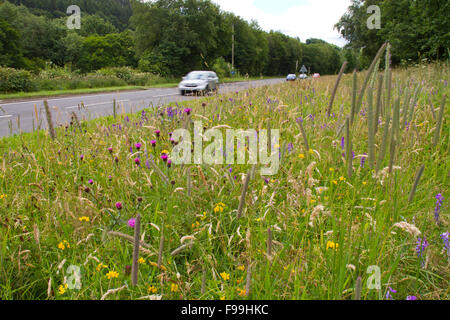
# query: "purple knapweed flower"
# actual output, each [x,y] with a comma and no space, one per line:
[91,181]
[158,133]
[132,222]
[110,149]
[187,111]
[119,205]
[411,298]
[153,142]
[164,157]
[138,146]
[81,157]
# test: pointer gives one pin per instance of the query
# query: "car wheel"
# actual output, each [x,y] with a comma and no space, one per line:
[183,93]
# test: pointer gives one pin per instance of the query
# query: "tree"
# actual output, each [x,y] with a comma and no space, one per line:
[10,49]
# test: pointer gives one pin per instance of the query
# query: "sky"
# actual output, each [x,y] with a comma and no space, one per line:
[296,18]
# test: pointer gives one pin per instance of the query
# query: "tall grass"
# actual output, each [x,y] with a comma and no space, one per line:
[327,227]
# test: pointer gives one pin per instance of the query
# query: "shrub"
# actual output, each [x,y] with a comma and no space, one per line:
[12,80]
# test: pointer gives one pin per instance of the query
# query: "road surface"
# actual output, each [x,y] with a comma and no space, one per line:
[17,117]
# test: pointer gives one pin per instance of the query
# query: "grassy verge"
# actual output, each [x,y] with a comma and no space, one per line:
[40,94]
[70,202]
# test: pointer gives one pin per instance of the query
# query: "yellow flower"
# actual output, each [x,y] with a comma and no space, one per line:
[242,268]
[225,276]
[3,196]
[165,151]
[342,178]
[62,288]
[174,287]
[152,289]
[222,298]
[63,245]
[331,169]
[334,182]
[311,151]
[219,207]
[364,182]
[84,219]
[141,260]
[241,292]
[301,156]
[332,245]
[204,216]
[100,266]
[112,274]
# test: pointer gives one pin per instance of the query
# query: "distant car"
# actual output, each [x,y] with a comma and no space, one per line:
[291,77]
[199,82]
[303,76]
[316,75]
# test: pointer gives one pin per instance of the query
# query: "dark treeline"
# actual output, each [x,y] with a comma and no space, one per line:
[166,37]
[416,30]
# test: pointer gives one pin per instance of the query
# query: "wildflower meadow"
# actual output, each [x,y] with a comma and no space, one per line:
[358,209]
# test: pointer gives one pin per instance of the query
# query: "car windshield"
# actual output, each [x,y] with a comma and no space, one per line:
[196,76]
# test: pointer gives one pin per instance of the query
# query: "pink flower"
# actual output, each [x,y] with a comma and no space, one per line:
[119,205]
[132,222]
[138,146]
[137,161]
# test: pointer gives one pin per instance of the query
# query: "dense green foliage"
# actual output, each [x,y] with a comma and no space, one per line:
[416,29]
[166,37]
[171,37]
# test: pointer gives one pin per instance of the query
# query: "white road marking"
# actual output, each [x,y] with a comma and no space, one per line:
[7,116]
[165,95]
[50,101]
[97,104]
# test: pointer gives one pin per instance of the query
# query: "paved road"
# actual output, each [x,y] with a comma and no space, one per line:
[22,113]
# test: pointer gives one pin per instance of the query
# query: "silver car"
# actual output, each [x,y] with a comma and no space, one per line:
[199,82]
